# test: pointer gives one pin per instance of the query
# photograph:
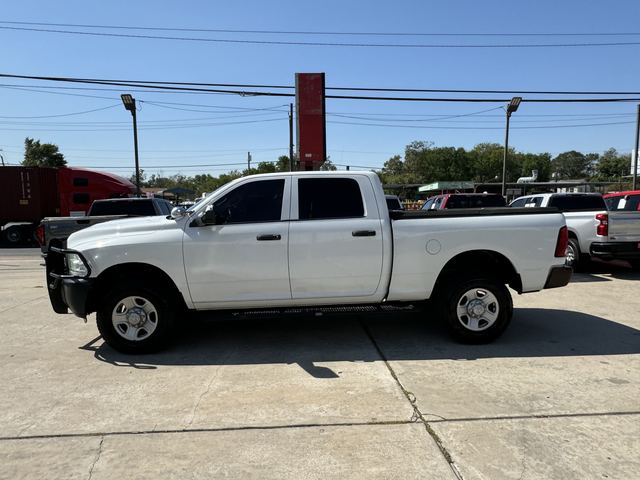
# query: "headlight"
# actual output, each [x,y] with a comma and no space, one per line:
[76,265]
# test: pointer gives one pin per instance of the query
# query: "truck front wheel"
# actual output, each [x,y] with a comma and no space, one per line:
[136,319]
[477,310]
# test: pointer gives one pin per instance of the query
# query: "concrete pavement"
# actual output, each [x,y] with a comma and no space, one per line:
[351,396]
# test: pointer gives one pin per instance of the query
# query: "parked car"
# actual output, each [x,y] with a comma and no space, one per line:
[278,240]
[594,231]
[393,202]
[464,200]
[58,229]
[625,201]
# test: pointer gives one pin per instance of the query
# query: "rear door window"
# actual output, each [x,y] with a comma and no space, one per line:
[324,198]
[520,202]
[569,203]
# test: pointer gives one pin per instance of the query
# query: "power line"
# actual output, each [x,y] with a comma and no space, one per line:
[180,166]
[67,114]
[307,32]
[319,44]
[164,127]
[478,128]
[344,97]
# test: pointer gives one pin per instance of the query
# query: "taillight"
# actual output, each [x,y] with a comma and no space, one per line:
[40,234]
[603,226]
[561,244]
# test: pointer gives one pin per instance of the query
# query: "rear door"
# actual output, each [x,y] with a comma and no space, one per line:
[335,238]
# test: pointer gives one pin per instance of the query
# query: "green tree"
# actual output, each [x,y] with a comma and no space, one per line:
[573,164]
[612,165]
[282,165]
[328,165]
[487,160]
[38,154]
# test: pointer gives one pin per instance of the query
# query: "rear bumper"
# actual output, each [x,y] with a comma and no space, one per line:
[558,276]
[615,250]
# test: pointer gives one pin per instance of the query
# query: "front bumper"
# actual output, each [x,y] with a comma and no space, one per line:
[615,250]
[558,276]
[66,292]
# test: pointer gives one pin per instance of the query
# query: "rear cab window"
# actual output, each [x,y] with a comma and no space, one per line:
[140,208]
[628,203]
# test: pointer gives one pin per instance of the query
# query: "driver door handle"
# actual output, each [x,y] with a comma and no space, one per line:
[364,233]
[264,238]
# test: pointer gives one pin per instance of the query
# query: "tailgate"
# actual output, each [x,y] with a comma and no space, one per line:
[624,226]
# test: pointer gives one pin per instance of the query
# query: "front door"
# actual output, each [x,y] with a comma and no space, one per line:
[242,259]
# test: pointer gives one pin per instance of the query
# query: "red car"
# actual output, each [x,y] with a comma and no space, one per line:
[629,201]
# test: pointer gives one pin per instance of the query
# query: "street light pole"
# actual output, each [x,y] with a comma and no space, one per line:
[635,153]
[512,107]
[130,104]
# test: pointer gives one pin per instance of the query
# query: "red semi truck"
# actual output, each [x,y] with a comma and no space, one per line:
[28,194]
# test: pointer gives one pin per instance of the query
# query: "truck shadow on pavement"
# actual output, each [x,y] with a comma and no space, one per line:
[309,340]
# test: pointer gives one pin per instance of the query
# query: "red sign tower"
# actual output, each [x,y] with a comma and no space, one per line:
[310,114]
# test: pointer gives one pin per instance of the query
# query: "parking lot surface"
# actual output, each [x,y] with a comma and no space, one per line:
[347,396]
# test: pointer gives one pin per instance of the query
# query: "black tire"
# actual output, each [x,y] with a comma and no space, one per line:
[452,298]
[574,257]
[161,320]
[14,235]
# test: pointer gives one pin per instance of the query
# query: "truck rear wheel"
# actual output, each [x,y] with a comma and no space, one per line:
[572,253]
[477,310]
[136,319]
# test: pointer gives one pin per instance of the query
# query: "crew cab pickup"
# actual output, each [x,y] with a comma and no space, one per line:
[56,230]
[595,230]
[304,239]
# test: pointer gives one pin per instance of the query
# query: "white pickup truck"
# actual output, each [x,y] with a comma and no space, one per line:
[594,230]
[304,239]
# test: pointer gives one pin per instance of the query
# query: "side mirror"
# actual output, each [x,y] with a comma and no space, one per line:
[209,217]
[178,212]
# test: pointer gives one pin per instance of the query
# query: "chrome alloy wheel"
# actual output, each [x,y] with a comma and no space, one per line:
[570,255]
[134,318]
[477,309]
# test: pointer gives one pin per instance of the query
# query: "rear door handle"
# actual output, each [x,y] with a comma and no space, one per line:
[264,238]
[364,233]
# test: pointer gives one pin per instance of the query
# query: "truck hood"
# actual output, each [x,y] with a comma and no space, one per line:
[127,230]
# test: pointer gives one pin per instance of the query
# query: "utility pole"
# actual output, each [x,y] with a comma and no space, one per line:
[248,160]
[291,137]
[635,154]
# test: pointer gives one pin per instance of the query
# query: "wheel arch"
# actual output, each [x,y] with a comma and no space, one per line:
[480,261]
[144,272]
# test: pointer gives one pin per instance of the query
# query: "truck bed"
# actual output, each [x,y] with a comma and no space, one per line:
[469,212]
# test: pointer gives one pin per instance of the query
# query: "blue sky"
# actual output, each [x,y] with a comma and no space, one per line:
[86,141]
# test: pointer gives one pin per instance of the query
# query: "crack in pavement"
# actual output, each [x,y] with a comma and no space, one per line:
[95,460]
[205,430]
[417,415]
